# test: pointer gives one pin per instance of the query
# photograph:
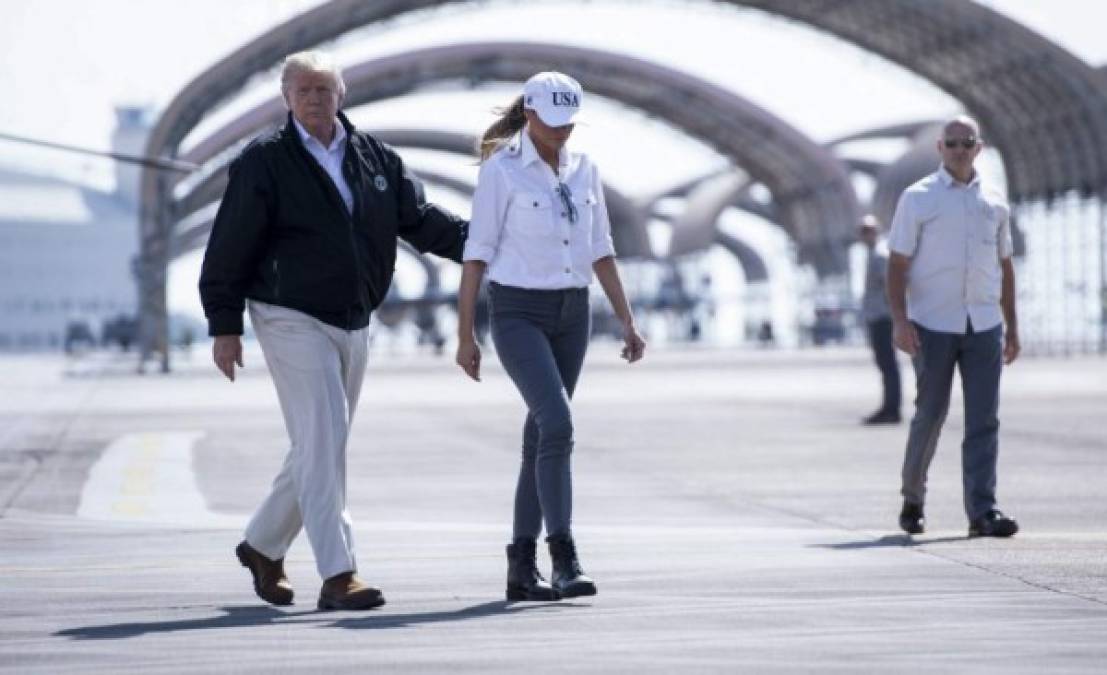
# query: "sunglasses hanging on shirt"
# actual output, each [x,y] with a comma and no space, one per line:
[566,196]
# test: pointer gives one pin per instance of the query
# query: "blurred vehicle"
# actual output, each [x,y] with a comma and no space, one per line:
[121,330]
[78,334]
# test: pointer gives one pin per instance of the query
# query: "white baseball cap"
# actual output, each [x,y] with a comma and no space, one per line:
[556,97]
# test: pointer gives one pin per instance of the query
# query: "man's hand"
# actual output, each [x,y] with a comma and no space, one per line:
[468,357]
[905,337]
[1011,347]
[226,352]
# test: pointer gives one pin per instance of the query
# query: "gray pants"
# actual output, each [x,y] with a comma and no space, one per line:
[884,352]
[979,357]
[541,337]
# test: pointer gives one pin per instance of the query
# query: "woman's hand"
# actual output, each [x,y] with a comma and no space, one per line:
[468,357]
[634,347]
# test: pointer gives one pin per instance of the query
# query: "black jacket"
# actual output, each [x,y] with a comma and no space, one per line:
[283,235]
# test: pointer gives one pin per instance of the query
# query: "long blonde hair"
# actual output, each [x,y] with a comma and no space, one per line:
[512,119]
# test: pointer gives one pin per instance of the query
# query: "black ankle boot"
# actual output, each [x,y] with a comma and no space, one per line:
[568,578]
[524,581]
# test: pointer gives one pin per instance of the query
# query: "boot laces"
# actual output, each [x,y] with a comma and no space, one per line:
[566,552]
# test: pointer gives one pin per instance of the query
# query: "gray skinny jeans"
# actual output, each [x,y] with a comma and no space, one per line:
[541,337]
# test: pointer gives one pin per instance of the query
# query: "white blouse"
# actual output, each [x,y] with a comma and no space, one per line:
[522,224]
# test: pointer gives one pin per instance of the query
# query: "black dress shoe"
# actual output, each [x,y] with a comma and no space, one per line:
[993,524]
[911,518]
[882,417]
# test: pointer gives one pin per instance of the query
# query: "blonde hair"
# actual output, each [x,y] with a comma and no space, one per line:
[311,62]
[512,120]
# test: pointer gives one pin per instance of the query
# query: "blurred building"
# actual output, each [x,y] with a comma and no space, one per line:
[66,251]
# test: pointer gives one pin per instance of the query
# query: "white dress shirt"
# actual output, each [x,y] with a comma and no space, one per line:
[955,235]
[521,227]
[330,158]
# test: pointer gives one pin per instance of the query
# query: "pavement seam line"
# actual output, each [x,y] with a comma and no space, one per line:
[915,548]
[59,438]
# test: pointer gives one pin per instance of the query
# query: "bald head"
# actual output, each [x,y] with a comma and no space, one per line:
[961,124]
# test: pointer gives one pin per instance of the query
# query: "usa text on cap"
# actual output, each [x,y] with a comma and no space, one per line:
[555,97]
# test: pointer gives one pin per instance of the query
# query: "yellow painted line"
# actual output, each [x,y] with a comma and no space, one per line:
[146,477]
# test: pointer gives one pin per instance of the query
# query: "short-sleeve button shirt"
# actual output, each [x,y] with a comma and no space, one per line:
[955,234]
[522,228]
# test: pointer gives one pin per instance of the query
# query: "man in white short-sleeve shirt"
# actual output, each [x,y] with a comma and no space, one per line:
[951,288]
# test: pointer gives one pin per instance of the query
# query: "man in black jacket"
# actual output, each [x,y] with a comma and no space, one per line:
[306,237]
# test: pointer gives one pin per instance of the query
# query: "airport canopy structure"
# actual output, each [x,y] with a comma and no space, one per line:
[1044,109]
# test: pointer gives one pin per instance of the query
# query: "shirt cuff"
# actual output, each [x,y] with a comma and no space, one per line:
[481,252]
[607,249]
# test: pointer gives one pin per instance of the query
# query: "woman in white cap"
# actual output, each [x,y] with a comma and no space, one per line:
[540,228]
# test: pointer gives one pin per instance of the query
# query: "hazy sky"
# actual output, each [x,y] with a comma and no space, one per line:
[66,62]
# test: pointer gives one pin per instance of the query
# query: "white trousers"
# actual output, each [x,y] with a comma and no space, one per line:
[318,370]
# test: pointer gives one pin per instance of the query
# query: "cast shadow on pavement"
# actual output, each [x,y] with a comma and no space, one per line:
[383,620]
[903,540]
[234,617]
[241,616]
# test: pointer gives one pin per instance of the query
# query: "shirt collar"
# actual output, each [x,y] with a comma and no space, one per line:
[529,154]
[339,135]
[948,180]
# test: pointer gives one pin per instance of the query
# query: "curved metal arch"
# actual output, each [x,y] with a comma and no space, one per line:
[949,42]
[906,130]
[695,227]
[753,265]
[940,40]
[893,177]
[1042,107]
[896,177]
[814,199]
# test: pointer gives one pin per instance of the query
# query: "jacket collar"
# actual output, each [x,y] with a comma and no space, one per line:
[294,130]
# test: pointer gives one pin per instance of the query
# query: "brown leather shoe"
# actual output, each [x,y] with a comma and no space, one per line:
[270,583]
[346,591]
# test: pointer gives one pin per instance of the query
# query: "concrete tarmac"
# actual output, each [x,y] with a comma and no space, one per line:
[735,516]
